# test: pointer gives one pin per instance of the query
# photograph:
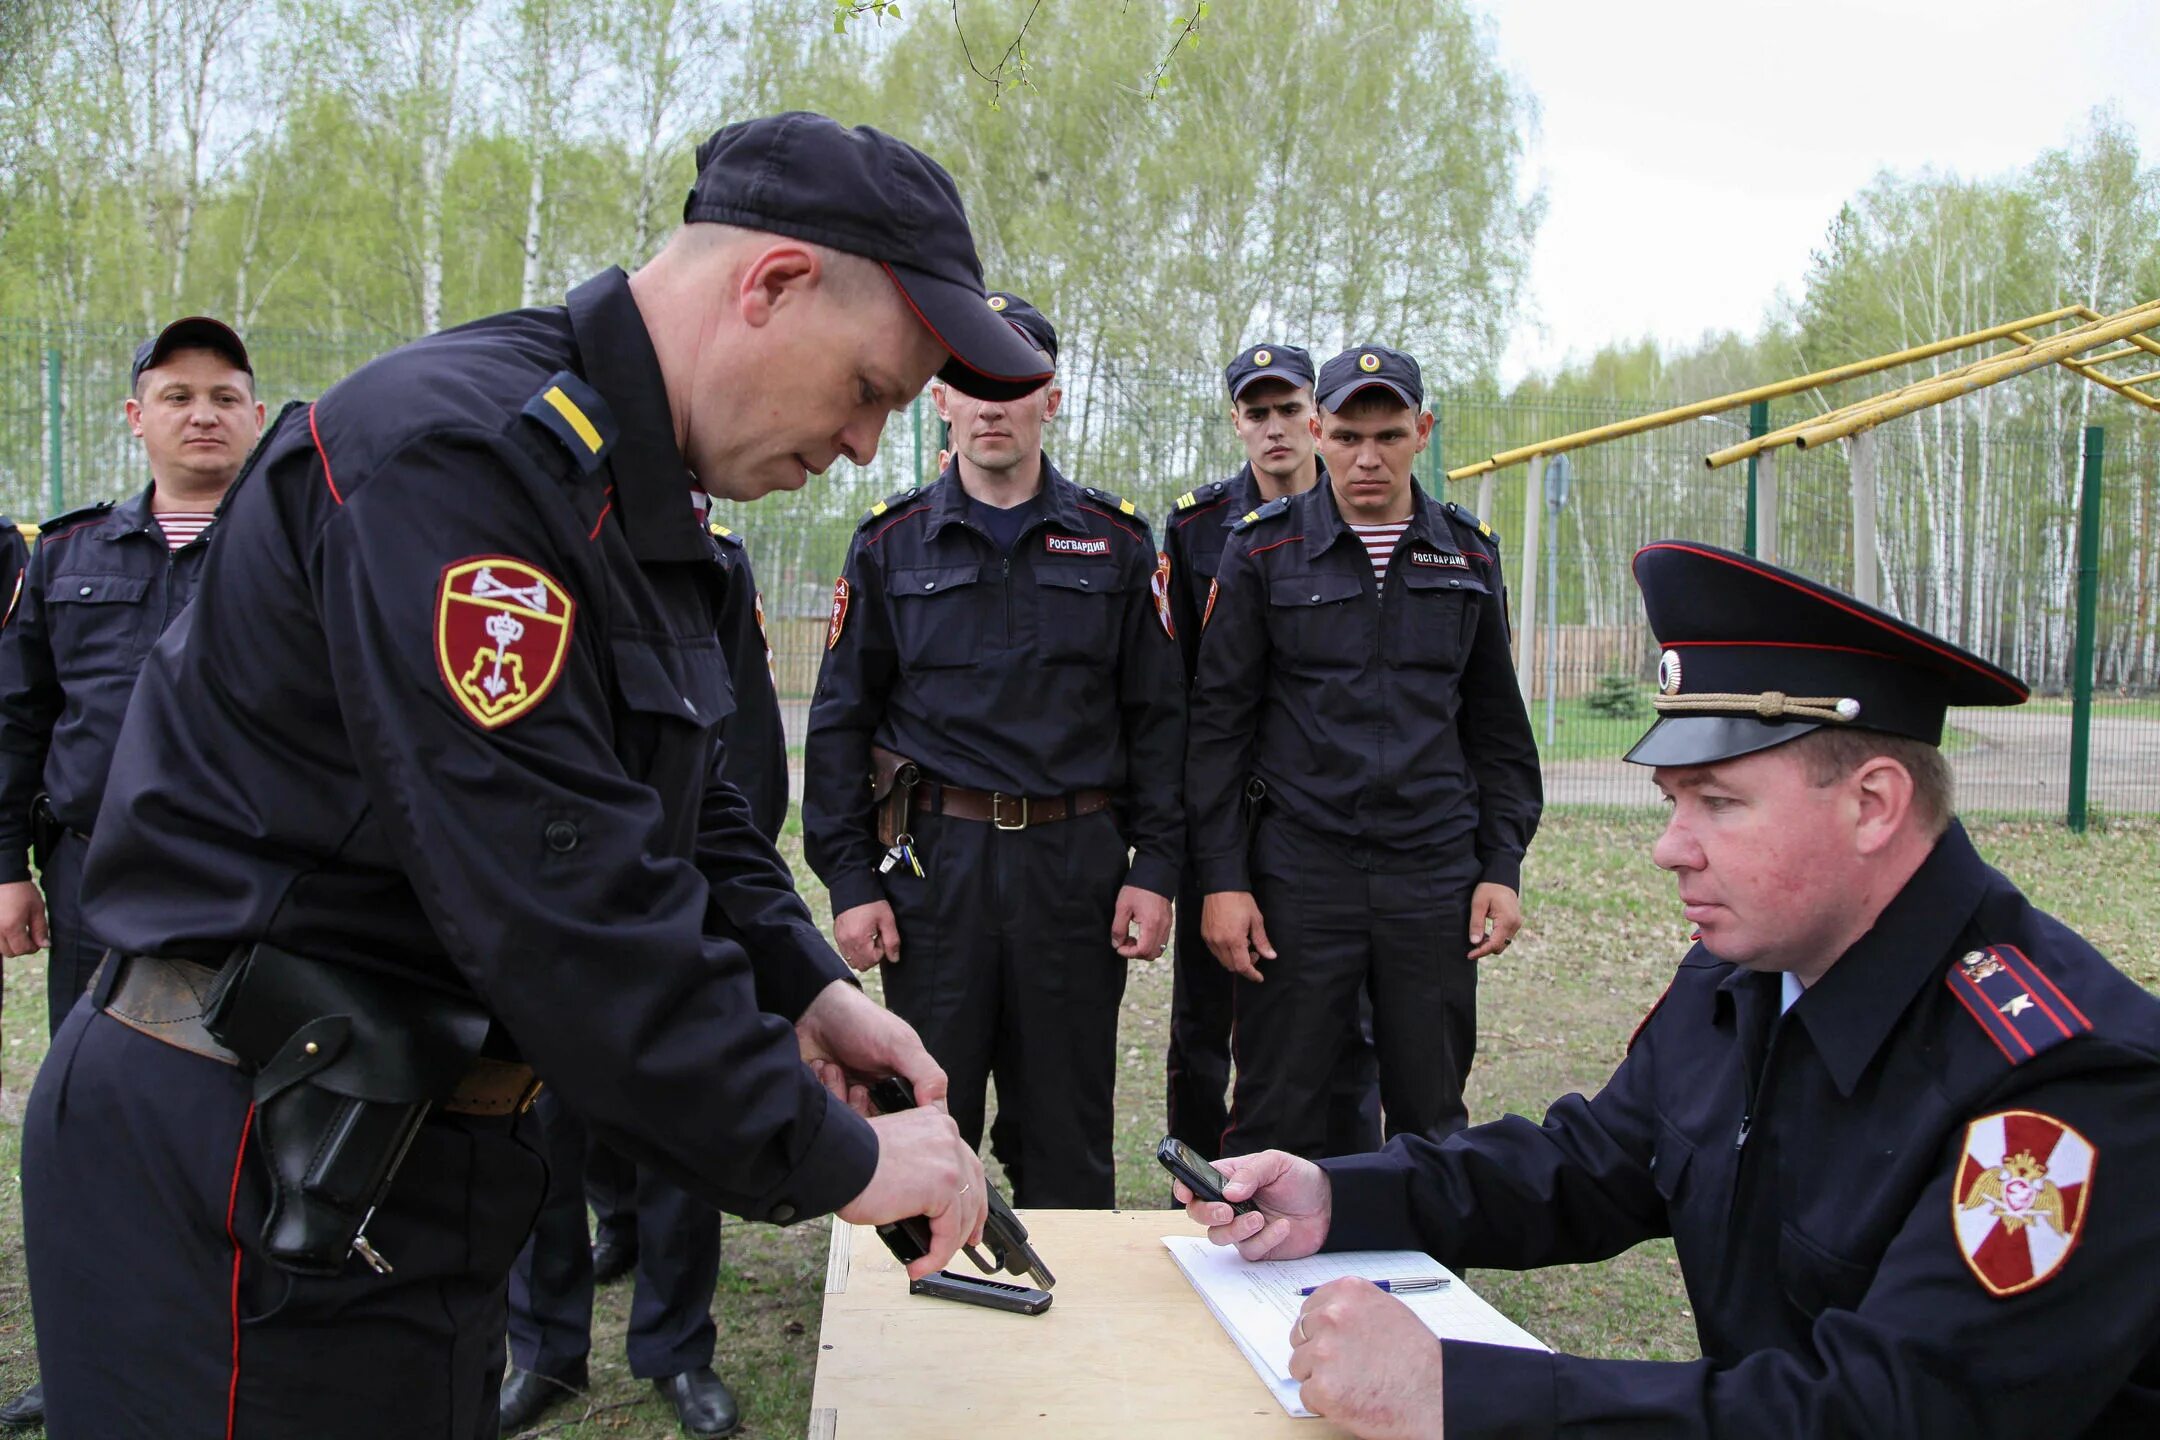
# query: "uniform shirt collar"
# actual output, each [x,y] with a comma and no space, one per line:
[1243,494]
[131,514]
[616,358]
[949,498]
[1850,1012]
[1324,524]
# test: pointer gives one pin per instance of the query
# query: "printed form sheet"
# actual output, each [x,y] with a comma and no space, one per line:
[1257,1302]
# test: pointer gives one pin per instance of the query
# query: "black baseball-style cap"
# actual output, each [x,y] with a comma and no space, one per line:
[1268,361]
[1362,366]
[1755,656]
[1025,318]
[193,332]
[861,191]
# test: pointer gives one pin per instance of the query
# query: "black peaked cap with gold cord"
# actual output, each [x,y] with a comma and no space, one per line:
[1754,656]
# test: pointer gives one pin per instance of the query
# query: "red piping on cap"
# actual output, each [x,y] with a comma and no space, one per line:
[940,338]
[2017,689]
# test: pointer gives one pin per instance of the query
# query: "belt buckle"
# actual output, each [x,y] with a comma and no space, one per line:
[997,810]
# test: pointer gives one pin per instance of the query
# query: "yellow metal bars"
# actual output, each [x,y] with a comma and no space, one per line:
[1904,401]
[1621,428]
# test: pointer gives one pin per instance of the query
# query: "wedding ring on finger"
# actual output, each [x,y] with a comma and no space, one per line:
[1301,1335]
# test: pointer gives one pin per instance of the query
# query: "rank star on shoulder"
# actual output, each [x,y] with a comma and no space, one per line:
[2016,1005]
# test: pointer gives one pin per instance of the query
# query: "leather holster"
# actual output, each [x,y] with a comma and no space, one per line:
[893,778]
[346,1064]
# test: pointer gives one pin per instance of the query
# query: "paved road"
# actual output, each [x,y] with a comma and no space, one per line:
[2021,764]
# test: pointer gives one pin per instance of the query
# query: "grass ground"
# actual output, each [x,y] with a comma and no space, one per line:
[1556,1012]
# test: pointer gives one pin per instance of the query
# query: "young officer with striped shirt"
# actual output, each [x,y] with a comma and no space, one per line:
[99,590]
[1356,665]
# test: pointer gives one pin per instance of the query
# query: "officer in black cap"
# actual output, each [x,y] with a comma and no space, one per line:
[1355,677]
[415,803]
[1271,408]
[105,582]
[991,778]
[1903,1126]
[671,1237]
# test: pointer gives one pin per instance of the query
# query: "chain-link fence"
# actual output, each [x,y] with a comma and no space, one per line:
[1978,526]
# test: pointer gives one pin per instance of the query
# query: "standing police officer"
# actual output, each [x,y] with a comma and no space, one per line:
[1903,1127]
[1356,667]
[673,1237]
[414,801]
[105,582]
[1271,408]
[997,667]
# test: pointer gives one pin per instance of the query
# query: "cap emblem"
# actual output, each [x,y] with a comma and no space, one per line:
[1668,673]
[1368,362]
[1263,357]
[997,302]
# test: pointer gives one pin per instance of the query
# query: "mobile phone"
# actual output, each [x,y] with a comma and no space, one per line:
[1203,1179]
[974,1290]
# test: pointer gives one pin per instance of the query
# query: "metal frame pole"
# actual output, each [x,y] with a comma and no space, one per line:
[1866,556]
[2088,587]
[1527,577]
[1766,507]
[1758,425]
[53,450]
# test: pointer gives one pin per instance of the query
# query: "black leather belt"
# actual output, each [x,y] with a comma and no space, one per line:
[164,999]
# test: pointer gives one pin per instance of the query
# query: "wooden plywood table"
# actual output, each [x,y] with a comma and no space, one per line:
[1126,1349]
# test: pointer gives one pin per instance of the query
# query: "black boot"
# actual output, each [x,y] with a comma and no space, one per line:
[703,1404]
[526,1396]
[614,1255]
[26,1411]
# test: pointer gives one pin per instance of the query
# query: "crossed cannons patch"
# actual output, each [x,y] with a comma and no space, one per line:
[502,631]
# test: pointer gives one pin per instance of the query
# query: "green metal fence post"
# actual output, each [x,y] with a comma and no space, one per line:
[1758,425]
[52,428]
[2088,585]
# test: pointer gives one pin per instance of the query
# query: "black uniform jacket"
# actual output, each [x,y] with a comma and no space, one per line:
[753,740]
[1194,533]
[1382,718]
[1844,1188]
[99,589]
[1040,672]
[305,763]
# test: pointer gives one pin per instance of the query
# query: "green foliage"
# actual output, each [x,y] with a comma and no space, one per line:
[1618,696]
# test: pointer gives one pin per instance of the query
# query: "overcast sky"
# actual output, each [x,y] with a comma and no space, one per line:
[1693,153]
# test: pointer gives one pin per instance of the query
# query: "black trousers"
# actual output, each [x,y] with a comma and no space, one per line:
[551,1286]
[73,956]
[1341,921]
[1007,971]
[1198,1065]
[158,1317]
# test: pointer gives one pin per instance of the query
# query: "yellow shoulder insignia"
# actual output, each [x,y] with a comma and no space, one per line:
[885,505]
[573,412]
[1186,501]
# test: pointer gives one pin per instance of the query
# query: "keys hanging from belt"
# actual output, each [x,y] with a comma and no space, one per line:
[901,853]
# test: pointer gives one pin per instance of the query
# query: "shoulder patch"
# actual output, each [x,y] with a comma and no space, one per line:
[1469,521]
[1278,506]
[2023,1188]
[1115,502]
[1207,494]
[73,517]
[573,412]
[2014,1003]
[879,510]
[502,633]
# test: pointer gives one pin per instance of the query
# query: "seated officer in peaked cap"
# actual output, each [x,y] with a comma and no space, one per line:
[1904,1127]
[417,801]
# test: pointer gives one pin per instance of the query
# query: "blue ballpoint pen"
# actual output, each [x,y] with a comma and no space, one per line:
[1400,1287]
